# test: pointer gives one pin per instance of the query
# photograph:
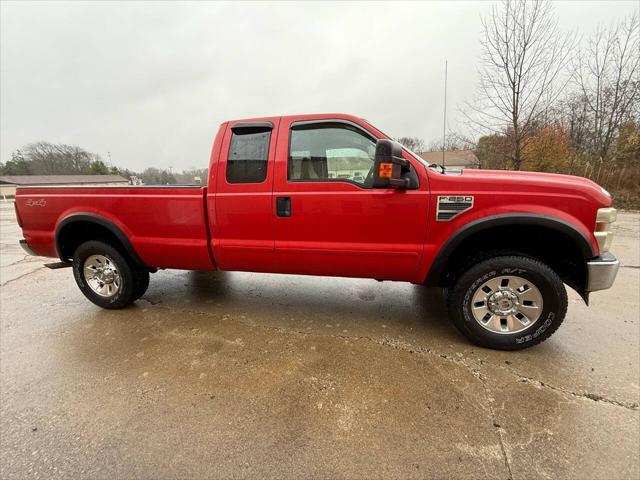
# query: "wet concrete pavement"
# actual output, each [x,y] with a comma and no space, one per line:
[232,375]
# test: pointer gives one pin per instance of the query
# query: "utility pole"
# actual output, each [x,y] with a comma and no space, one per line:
[444,120]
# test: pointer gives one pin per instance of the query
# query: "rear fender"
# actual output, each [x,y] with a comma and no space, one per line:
[101,221]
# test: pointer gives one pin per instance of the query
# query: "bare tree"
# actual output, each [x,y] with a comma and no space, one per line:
[44,158]
[455,141]
[607,74]
[520,75]
[414,144]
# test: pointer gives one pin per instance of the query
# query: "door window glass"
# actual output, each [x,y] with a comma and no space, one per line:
[330,152]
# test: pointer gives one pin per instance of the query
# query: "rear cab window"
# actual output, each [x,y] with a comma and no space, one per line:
[248,156]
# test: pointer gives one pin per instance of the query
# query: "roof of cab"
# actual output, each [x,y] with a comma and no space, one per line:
[306,116]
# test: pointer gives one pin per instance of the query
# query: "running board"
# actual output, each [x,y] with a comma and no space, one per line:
[56,265]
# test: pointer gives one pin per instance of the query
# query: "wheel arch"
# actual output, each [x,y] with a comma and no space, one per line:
[77,228]
[476,236]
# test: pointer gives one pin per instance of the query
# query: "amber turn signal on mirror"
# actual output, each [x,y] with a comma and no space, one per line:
[386,170]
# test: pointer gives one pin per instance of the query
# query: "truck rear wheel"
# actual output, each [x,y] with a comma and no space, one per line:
[508,302]
[104,275]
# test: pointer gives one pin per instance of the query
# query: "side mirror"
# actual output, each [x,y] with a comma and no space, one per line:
[390,170]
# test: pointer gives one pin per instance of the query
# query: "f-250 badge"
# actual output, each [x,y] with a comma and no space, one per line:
[36,203]
[450,206]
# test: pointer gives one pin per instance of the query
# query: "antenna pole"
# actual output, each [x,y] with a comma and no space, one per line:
[444,120]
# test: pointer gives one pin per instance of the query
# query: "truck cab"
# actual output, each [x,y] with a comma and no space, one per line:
[285,199]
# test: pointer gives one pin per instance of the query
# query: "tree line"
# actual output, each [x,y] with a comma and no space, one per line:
[44,158]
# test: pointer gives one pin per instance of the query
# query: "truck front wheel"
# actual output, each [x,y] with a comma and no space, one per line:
[104,275]
[508,302]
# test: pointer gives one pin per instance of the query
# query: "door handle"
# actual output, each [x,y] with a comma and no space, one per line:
[283,206]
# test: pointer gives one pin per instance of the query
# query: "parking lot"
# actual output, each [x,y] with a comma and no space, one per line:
[233,375]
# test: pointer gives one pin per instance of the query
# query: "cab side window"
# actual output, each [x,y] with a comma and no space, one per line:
[330,152]
[248,155]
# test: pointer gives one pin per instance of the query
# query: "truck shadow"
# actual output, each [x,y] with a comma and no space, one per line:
[206,312]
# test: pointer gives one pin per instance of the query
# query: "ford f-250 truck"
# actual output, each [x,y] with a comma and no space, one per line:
[330,194]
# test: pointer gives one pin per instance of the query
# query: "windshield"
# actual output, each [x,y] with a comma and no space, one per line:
[413,154]
[416,156]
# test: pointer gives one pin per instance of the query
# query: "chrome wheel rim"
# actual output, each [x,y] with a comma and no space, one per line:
[506,304]
[102,275]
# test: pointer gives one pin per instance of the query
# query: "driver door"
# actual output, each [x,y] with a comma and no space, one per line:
[328,219]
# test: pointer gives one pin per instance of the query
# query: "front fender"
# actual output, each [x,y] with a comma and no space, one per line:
[520,219]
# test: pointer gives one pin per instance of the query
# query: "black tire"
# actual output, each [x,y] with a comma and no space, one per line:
[124,294]
[548,283]
[446,293]
[141,283]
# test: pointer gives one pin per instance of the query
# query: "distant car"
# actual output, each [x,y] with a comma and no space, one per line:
[502,244]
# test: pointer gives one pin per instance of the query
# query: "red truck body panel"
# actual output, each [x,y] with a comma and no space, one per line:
[342,229]
[336,228]
[242,234]
[165,225]
[502,192]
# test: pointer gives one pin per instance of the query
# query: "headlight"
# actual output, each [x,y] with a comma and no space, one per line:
[603,233]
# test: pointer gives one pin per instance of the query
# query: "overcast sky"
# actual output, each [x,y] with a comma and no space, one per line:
[150,83]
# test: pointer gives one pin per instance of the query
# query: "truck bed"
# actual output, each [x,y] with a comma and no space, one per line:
[166,225]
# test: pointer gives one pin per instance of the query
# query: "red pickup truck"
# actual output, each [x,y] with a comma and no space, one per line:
[330,194]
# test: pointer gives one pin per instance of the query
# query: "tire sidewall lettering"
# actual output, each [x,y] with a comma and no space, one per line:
[547,323]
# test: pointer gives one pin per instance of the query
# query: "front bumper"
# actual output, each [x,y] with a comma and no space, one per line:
[601,272]
[25,247]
